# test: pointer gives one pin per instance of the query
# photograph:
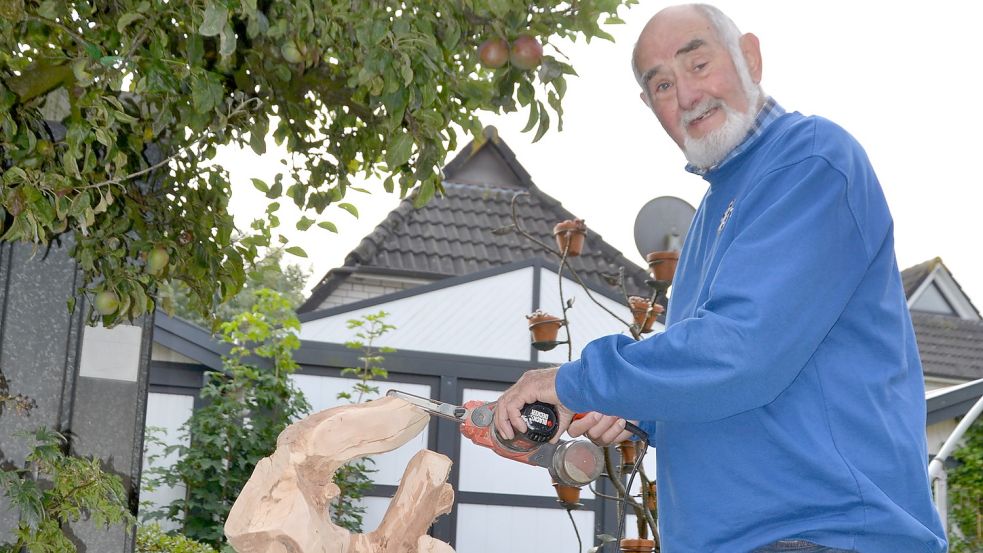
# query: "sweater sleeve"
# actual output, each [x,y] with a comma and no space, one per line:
[780,285]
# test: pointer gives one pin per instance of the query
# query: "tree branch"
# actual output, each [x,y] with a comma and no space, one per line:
[39,79]
[322,80]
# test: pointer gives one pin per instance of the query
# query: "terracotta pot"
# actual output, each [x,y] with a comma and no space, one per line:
[662,265]
[640,311]
[627,449]
[570,236]
[650,500]
[637,545]
[569,495]
[543,326]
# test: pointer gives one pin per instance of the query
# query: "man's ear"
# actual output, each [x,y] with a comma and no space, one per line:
[645,99]
[751,49]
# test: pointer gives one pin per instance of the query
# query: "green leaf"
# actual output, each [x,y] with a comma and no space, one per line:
[349,208]
[260,185]
[296,250]
[227,42]
[93,51]
[399,151]
[304,223]
[328,225]
[216,18]
[544,125]
[427,190]
[126,19]
[533,117]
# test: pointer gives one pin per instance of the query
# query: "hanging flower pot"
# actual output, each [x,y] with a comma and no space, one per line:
[569,496]
[644,316]
[637,545]
[543,328]
[627,449]
[662,265]
[570,236]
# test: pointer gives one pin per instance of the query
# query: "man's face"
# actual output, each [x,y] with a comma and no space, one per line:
[691,84]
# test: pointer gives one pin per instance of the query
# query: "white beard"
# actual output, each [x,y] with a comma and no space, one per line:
[709,150]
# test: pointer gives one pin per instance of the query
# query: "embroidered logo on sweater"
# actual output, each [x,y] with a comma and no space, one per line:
[726,216]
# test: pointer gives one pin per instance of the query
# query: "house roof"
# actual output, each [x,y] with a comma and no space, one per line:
[913,277]
[455,234]
[949,346]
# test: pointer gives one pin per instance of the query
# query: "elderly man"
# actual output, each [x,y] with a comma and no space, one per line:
[785,398]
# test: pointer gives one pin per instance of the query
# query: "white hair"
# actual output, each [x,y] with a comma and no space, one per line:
[730,37]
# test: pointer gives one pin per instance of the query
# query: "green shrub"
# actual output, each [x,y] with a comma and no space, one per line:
[152,539]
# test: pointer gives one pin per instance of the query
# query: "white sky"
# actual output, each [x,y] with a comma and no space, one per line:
[895,75]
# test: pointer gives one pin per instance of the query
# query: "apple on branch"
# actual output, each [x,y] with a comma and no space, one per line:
[527,52]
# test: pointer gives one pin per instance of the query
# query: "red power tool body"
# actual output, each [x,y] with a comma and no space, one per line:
[575,462]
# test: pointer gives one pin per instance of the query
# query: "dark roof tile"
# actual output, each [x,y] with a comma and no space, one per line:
[950,347]
[452,235]
[912,277]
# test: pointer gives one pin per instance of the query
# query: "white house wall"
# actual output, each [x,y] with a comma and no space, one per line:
[498,528]
[166,413]
[484,318]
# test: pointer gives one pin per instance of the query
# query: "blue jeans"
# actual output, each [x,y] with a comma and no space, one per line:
[798,546]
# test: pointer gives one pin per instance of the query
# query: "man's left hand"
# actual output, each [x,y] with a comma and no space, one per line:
[534,385]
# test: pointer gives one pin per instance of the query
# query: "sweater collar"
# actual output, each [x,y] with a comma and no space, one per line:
[768,114]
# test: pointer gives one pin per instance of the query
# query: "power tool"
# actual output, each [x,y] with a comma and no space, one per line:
[571,462]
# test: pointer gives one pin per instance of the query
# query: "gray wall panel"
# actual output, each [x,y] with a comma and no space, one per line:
[40,344]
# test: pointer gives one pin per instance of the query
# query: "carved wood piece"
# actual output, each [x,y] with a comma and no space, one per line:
[283,508]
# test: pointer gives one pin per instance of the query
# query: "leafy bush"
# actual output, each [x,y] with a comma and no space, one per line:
[247,406]
[152,539]
[54,489]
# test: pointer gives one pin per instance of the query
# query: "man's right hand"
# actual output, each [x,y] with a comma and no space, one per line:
[603,430]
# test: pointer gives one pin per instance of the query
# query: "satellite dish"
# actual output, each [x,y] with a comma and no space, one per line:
[662,224]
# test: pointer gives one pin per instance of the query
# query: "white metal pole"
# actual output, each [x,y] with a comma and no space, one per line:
[942,499]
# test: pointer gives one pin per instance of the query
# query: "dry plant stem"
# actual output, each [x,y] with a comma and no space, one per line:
[580,281]
[636,330]
[563,303]
[518,229]
[649,519]
[531,238]
[640,509]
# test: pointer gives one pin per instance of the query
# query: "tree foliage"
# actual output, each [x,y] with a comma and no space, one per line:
[144,91]
[247,408]
[966,494]
[54,489]
[268,273]
[353,478]
[152,539]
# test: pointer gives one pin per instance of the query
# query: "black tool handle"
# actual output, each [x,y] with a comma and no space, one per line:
[542,421]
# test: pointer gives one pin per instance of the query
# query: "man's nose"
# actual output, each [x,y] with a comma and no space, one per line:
[688,94]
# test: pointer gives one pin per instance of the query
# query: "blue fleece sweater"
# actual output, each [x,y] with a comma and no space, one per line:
[786,396]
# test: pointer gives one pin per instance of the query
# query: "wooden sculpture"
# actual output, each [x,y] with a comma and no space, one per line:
[283,508]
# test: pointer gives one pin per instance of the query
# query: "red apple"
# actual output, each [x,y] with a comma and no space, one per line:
[527,52]
[494,53]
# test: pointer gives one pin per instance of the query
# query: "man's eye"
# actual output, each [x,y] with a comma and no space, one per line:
[663,86]
[700,67]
